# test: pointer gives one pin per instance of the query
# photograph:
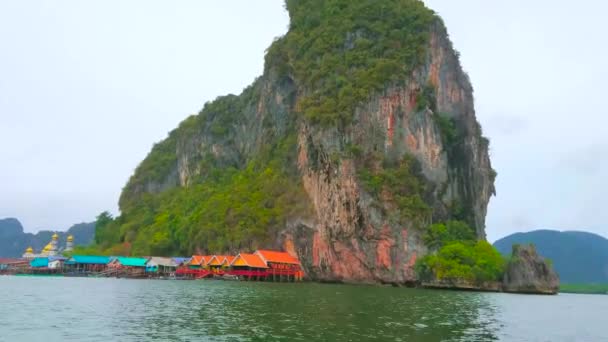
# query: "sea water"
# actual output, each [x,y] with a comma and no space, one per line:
[95,309]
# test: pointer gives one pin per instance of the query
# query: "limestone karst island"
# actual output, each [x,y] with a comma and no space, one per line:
[302,170]
[355,157]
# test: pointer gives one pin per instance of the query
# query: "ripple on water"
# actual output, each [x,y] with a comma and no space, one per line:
[74,309]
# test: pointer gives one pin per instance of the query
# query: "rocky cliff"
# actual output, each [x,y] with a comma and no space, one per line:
[527,272]
[365,117]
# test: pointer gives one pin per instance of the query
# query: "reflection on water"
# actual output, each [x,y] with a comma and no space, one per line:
[57,309]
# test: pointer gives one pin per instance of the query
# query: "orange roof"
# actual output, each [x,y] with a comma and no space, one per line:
[277,257]
[251,260]
[200,259]
[228,259]
[196,260]
[206,259]
[216,260]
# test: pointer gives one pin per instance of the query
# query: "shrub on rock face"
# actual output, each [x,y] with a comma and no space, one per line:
[458,256]
[460,261]
[439,234]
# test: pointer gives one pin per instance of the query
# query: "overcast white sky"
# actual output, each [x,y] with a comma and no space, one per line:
[86,88]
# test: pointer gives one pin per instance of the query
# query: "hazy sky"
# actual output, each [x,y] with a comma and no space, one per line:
[86,88]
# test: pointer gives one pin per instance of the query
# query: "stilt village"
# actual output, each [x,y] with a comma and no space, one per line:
[261,265]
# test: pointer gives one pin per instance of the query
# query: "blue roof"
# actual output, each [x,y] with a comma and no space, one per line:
[88,259]
[40,262]
[133,262]
[179,260]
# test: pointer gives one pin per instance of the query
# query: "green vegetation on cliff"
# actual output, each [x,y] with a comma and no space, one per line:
[401,180]
[236,211]
[342,51]
[458,256]
[231,210]
[230,203]
[440,234]
[459,260]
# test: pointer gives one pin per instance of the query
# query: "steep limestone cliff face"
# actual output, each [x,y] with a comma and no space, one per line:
[353,238]
[352,229]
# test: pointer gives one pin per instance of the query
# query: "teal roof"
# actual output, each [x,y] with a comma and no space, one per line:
[88,259]
[40,262]
[133,262]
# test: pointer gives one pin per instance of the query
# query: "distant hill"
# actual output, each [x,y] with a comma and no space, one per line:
[13,241]
[578,257]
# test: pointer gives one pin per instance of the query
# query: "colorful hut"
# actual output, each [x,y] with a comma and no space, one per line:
[39,262]
[180,261]
[8,265]
[161,266]
[195,268]
[128,266]
[206,260]
[200,261]
[56,262]
[195,261]
[248,266]
[216,263]
[87,263]
[228,259]
[119,262]
[281,265]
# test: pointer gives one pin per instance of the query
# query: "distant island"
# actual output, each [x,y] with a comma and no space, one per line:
[580,258]
[14,241]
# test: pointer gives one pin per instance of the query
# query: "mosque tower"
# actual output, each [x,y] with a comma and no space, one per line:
[29,253]
[69,246]
[54,246]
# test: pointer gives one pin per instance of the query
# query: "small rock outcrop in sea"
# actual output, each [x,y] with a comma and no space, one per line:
[528,272]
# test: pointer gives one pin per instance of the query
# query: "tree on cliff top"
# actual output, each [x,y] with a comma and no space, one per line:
[342,51]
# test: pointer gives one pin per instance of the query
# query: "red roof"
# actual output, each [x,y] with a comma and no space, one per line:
[251,260]
[277,257]
[7,261]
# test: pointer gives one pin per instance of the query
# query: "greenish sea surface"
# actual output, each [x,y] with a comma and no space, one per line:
[584,288]
[80,309]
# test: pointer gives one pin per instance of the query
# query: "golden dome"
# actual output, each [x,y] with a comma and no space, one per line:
[29,250]
[55,236]
[47,248]
[70,238]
